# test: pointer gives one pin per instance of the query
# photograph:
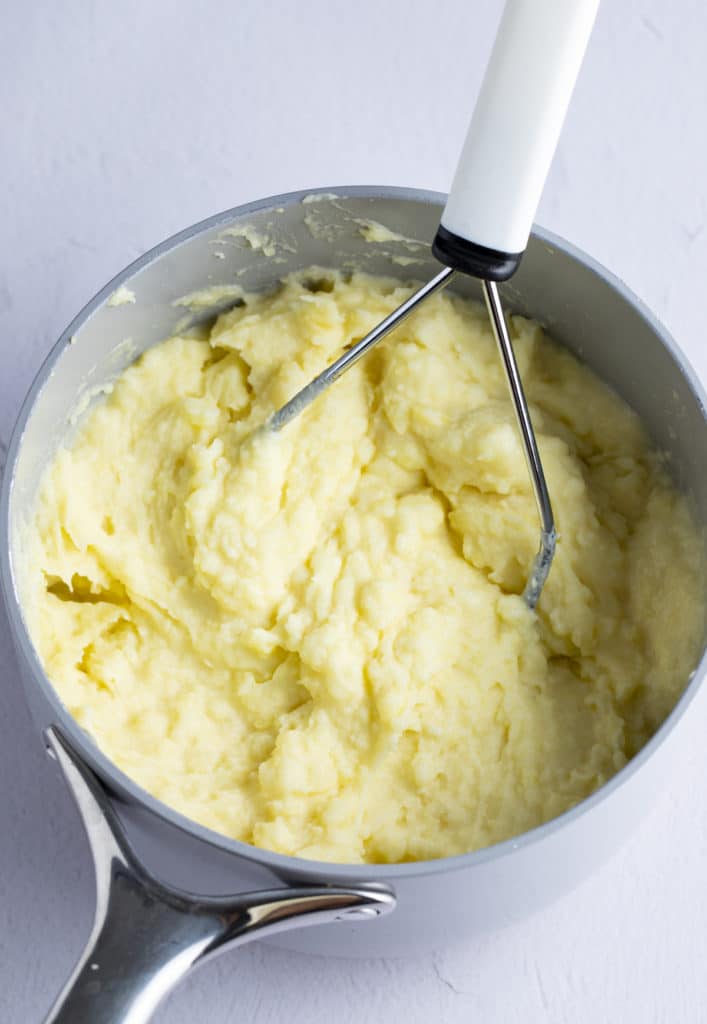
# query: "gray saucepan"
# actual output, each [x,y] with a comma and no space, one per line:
[150,861]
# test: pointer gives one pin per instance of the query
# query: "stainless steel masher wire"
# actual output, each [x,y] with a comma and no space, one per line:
[548,535]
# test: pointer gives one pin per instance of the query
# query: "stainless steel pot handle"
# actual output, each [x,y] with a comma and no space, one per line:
[146,935]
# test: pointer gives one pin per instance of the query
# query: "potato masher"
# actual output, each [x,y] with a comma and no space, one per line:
[486,222]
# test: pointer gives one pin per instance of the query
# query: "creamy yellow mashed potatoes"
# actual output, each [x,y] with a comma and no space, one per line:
[315,642]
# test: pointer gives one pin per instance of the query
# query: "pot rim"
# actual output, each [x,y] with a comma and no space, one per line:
[121,784]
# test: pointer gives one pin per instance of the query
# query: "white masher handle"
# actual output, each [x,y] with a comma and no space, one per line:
[513,135]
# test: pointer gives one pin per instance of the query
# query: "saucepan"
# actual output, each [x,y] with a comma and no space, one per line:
[160,877]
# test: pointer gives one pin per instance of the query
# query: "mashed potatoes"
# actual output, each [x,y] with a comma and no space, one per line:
[315,642]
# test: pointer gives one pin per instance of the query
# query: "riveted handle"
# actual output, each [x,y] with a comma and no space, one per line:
[147,935]
[513,135]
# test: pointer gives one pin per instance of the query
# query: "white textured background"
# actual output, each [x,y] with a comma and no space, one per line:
[123,122]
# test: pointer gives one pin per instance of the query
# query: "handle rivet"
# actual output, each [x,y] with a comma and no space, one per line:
[358,913]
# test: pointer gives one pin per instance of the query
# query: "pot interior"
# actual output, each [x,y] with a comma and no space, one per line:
[191,278]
